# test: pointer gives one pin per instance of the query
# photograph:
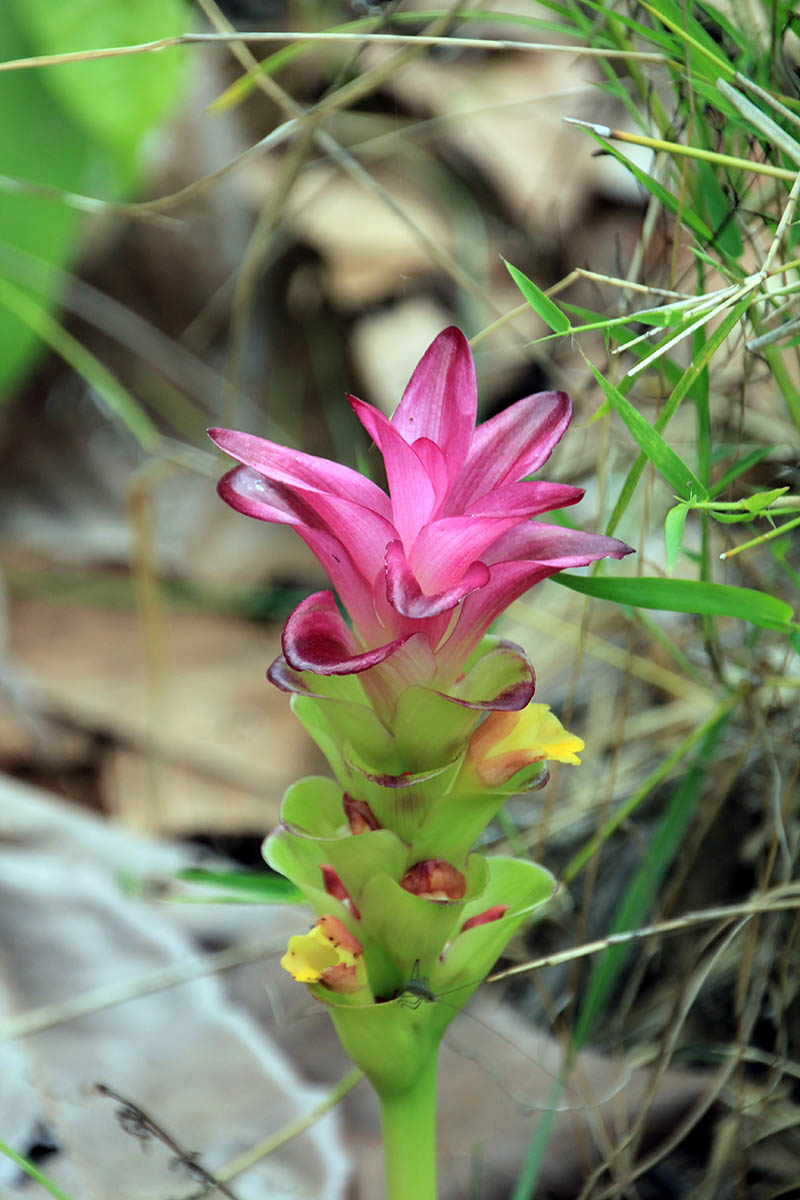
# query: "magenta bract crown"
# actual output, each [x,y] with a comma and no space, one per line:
[424,570]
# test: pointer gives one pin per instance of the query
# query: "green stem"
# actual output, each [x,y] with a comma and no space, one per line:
[408,1120]
[764,537]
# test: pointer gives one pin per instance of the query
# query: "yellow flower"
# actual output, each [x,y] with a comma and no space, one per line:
[507,742]
[329,955]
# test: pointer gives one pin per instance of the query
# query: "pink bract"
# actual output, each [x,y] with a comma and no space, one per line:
[446,551]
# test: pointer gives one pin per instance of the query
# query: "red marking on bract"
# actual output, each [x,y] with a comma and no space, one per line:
[485,918]
[435,879]
[360,816]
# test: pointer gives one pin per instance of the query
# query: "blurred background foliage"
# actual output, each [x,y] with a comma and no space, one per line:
[77,128]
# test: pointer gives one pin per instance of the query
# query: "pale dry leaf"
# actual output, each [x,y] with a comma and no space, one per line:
[370,253]
[209,711]
[504,116]
[190,1058]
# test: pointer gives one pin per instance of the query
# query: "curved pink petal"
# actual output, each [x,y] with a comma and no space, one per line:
[511,445]
[413,495]
[316,638]
[407,597]
[287,679]
[356,593]
[363,532]
[507,582]
[526,499]
[441,399]
[435,463]
[250,493]
[353,575]
[295,468]
[446,549]
[342,689]
[554,546]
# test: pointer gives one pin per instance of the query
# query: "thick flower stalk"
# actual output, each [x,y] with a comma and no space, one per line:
[427,720]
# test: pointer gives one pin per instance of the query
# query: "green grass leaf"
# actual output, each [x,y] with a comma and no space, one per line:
[245,887]
[656,189]
[550,313]
[682,388]
[718,210]
[705,56]
[688,596]
[33,1172]
[642,890]
[662,456]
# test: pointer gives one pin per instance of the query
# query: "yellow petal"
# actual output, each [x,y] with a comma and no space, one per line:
[507,742]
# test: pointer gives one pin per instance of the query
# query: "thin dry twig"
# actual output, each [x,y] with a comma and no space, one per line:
[135,1121]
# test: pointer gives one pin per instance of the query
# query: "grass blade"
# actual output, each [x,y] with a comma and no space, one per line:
[689,596]
[680,391]
[662,456]
[122,404]
[550,313]
[643,888]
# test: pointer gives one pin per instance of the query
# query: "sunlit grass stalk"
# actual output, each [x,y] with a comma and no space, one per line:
[678,148]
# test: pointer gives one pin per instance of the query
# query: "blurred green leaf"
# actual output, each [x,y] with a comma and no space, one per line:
[115,99]
[40,144]
[246,887]
[739,468]
[687,595]
[74,128]
[37,319]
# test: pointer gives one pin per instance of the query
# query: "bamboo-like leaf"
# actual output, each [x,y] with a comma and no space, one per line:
[761,500]
[550,313]
[689,596]
[680,391]
[673,533]
[662,456]
[656,189]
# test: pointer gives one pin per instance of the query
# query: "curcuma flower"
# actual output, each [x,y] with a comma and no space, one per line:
[426,569]
[329,956]
[508,742]
[427,722]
